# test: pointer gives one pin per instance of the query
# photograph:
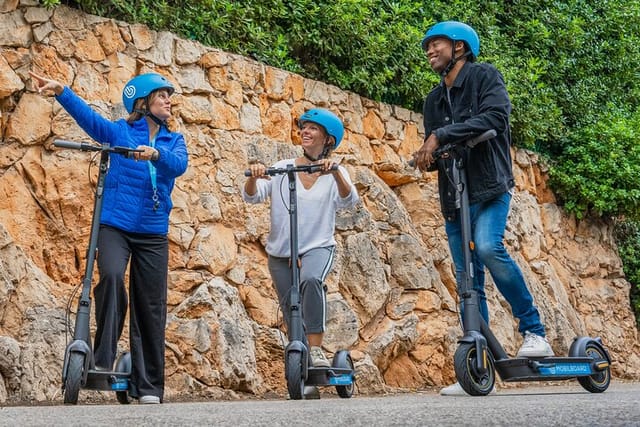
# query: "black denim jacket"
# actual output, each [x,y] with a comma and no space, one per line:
[477,101]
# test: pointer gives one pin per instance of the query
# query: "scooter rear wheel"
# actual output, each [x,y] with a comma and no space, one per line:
[295,382]
[123,364]
[471,380]
[343,360]
[73,378]
[599,382]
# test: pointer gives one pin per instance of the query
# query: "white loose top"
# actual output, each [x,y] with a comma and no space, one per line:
[316,208]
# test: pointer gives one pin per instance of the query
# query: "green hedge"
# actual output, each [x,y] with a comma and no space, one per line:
[599,166]
[628,239]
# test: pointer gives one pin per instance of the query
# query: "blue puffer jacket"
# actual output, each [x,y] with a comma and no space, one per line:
[127,203]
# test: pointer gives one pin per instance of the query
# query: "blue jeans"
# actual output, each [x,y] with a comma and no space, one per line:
[488,222]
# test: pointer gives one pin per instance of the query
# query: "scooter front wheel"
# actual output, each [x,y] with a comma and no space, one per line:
[598,382]
[73,378]
[295,381]
[123,397]
[471,380]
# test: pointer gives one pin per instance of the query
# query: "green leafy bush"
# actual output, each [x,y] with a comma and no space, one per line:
[628,239]
[598,169]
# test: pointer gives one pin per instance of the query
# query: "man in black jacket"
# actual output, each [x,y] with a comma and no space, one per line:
[471,99]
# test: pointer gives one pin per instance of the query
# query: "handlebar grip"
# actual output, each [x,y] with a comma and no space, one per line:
[316,168]
[76,145]
[267,171]
[67,144]
[491,133]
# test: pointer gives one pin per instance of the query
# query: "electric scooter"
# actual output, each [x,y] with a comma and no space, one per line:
[79,370]
[298,370]
[479,354]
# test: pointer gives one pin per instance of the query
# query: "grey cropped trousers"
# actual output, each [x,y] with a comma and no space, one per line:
[315,265]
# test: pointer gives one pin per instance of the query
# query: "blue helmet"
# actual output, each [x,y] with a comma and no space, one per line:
[325,118]
[455,31]
[141,86]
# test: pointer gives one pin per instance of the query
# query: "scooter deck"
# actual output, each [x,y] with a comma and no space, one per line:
[547,368]
[330,376]
[106,380]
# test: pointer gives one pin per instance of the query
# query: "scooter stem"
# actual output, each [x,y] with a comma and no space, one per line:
[81,331]
[296,328]
[475,328]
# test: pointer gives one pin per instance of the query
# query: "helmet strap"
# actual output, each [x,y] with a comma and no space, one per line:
[325,153]
[328,147]
[157,120]
[454,60]
[311,158]
[147,113]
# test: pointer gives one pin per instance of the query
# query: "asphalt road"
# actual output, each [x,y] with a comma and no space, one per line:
[530,405]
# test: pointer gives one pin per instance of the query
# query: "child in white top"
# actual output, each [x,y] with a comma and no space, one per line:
[319,196]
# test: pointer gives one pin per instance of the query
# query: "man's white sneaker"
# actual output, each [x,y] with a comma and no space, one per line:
[456,389]
[146,400]
[534,346]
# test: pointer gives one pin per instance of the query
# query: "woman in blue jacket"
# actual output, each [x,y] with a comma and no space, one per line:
[133,224]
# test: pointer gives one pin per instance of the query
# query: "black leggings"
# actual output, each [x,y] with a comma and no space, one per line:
[149,255]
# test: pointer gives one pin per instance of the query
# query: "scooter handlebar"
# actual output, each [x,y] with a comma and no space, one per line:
[491,133]
[75,145]
[304,168]
[83,146]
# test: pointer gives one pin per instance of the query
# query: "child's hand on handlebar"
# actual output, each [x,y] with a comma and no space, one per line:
[328,166]
[258,171]
[43,84]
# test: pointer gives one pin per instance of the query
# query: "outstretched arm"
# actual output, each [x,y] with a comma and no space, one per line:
[44,84]
[98,127]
